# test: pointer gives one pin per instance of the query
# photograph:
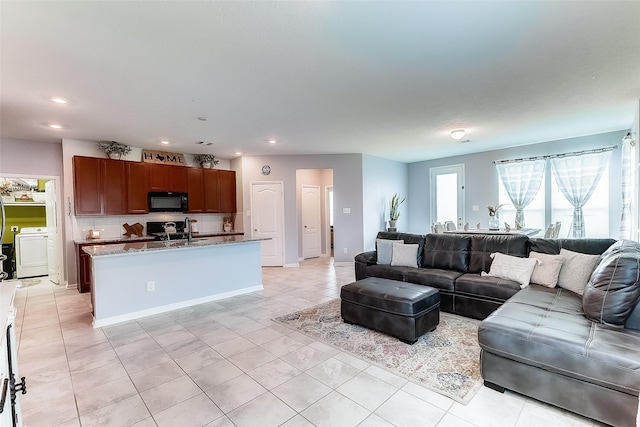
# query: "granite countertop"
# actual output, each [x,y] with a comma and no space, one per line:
[125,239]
[148,246]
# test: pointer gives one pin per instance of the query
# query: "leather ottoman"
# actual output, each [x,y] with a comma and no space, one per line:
[403,310]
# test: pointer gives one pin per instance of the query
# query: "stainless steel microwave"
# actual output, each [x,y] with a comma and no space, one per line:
[168,202]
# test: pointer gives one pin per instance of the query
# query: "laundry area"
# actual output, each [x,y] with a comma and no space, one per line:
[25,241]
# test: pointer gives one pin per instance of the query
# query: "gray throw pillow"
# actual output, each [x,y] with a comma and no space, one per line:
[385,250]
[576,270]
[404,255]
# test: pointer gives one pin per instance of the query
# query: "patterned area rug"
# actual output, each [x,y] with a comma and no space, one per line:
[446,360]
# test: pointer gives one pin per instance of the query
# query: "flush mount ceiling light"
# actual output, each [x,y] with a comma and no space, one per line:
[458,133]
[59,100]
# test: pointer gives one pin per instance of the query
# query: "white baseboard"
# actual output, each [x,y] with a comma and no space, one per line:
[295,264]
[169,307]
[300,258]
[344,263]
[324,255]
[71,285]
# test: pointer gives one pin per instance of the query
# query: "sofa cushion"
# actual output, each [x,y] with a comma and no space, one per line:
[434,277]
[487,287]
[576,270]
[545,328]
[387,272]
[614,288]
[546,272]
[446,251]
[384,249]
[482,246]
[584,246]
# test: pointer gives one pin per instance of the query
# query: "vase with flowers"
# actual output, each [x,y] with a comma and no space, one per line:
[494,221]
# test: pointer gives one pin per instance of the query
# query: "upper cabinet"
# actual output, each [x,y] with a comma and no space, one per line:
[137,187]
[87,185]
[227,191]
[167,178]
[117,187]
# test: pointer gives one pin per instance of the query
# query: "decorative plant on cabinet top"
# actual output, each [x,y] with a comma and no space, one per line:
[206,160]
[114,149]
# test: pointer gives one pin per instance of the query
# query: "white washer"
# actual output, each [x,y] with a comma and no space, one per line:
[31,252]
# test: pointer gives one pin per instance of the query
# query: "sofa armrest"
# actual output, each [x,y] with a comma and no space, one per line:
[362,261]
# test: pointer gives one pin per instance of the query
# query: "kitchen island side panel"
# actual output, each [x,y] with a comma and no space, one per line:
[183,277]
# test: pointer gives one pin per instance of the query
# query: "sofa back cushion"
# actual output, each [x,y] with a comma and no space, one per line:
[408,238]
[613,291]
[447,252]
[583,246]
[483,245]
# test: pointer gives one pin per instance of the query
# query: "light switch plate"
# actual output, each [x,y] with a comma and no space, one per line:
[346,210]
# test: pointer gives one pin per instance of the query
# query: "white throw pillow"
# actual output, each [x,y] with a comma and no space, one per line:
[404,255]
[511,268]
[385,249]
[547,270]
[576,270]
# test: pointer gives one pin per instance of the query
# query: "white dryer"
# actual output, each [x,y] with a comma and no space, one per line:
[31,252]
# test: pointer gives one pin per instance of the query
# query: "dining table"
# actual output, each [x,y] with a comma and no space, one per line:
[523,231]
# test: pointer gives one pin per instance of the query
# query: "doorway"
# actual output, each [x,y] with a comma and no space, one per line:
[312,205]
[446,185]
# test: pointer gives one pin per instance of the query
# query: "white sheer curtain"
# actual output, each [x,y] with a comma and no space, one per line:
[522,181]
[577,177]
[628,148]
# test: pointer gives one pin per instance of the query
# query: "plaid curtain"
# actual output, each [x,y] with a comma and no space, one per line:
[577,177]
[522,181]
[628,148]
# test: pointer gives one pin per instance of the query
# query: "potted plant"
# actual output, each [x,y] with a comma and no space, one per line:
[114,149]
[206,160]
[394,211]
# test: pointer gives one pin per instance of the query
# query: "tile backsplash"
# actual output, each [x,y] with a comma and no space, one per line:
[111,226]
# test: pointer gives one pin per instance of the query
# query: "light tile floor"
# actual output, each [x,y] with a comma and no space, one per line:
[226,363]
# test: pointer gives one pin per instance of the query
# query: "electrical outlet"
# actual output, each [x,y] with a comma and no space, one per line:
[14,228]
[345,250]
[151,286]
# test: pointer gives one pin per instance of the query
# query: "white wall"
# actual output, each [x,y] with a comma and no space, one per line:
[381,179]
[481,187]
[347,193]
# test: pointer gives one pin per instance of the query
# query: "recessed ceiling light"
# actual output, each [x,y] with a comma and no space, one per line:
[55,126]
[458,133]
[164,142]
[272,141]
[59,100]
[238,153]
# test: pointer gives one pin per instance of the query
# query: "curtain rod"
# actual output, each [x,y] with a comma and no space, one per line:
[553,156]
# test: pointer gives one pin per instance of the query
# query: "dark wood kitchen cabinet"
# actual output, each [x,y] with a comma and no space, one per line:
[137,186]
[87,185]
[227,180]
[211,190]
[114,187]
[167,178]
[195,188]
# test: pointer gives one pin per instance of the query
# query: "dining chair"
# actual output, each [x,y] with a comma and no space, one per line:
[449,225]
[438,228]
[556,229]
[548,234]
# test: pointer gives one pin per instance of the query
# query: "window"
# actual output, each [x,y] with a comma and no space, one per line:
[534,214]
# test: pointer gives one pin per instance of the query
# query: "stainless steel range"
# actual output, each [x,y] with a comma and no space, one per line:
[166,230]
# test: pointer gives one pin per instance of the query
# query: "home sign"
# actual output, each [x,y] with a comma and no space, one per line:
[163,157]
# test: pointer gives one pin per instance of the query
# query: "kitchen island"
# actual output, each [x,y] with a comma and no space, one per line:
[142,278]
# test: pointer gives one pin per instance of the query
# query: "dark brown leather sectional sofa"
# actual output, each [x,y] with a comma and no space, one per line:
[581,353]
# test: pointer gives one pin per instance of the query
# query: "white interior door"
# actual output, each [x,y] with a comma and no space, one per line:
[311,232]
[53,232]
[267,220]
[447,194]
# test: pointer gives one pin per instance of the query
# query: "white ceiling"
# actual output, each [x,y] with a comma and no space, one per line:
[390,78]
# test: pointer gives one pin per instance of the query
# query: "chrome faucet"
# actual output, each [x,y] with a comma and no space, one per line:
[187,225]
